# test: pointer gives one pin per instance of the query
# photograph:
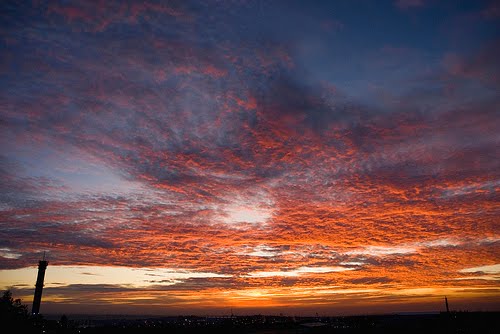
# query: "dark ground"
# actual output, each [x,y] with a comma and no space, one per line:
[459,322]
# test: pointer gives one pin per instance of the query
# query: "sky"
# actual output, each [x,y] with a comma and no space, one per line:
[295,157]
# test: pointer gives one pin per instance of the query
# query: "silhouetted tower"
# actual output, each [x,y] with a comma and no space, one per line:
[42,265]
[446,302]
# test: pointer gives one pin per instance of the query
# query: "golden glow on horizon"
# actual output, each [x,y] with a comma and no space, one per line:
[100,275]
[129,286]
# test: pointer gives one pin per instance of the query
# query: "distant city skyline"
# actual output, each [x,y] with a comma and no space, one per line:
[193,157]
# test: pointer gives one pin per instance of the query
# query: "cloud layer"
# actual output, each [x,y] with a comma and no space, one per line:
[186,137]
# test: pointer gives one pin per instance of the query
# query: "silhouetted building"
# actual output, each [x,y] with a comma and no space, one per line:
[37,299]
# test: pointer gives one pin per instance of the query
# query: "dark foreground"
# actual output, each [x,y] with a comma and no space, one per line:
[461,322]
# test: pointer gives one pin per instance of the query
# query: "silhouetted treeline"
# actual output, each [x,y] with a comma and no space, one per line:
[15,318]
[13,314]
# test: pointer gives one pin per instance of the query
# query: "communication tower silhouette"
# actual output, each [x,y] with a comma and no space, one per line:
[37,299]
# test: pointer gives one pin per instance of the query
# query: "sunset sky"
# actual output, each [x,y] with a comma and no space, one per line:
[193,157]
